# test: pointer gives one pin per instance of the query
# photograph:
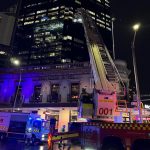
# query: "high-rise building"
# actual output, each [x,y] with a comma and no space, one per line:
[8,13]
[47,32]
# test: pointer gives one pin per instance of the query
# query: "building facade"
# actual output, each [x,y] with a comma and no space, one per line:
[47,33]
[52,90]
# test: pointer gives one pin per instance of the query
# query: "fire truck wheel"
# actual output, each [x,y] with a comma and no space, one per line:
[112,147]
[141,144]
[33,140]
[112,144]
[27,140]
[2,137]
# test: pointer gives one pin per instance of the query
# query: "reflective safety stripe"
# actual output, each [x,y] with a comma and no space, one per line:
[65,136]
[3,128]
[36,130]
[126,126]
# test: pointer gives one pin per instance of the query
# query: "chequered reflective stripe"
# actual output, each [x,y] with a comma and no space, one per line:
[127,126]
[35,130]
[3,128]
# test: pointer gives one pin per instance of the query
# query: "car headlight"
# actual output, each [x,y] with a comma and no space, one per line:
[43,135]
[29,130]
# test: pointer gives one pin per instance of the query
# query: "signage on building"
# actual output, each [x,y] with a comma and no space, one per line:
[147,106]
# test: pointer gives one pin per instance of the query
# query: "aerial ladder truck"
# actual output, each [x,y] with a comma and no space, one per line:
[107,80]
[101,131]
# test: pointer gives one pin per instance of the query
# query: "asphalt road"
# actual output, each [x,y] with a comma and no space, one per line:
[19,145]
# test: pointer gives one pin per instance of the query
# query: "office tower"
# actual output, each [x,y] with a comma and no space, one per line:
[8,13]
[47,32]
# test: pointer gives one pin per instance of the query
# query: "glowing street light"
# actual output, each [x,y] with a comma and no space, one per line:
[136,28]
[16,62]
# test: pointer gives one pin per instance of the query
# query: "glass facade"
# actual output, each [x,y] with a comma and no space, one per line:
[47,34]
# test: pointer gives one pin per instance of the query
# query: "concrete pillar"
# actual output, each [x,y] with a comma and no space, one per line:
[64,90]
[40,112]
[64,118]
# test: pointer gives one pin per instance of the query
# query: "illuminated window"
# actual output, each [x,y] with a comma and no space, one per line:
[107,5]
[107,16]
[21,19]
[29,18]
[62,7]
[62,16]
[98,20]
[108,28]
[90,12]
[47,33]
[65,60]
[2,53]
[68,37]
[78,41]
[31,14]
[52,9]
[75,89]
[55,88]
[40,15]
[53,13]
[40,11]
[37,21]
[78,2]
[53,18]
[52,54]
[30,22]
[37,93]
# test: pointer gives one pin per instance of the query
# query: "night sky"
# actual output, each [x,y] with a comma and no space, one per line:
[128,12]
[5,4]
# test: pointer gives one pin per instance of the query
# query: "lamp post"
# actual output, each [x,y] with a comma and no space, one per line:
[16,62]
[136,28]
[112,32]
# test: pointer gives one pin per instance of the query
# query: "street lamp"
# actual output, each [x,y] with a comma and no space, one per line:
[136,28]
[16,62]
[112,32]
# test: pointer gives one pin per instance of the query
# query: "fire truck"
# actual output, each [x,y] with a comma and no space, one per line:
[104,129]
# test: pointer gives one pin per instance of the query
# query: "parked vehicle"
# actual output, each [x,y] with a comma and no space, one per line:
[26,126]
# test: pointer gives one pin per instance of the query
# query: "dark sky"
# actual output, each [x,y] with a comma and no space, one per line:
[5,4]
[128,12]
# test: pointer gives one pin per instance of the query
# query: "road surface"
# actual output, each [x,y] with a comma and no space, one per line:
[19,145]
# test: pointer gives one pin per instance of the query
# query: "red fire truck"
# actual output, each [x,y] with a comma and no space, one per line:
[106,130]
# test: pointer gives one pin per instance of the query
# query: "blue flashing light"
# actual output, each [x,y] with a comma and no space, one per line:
[38,119]
[30,118]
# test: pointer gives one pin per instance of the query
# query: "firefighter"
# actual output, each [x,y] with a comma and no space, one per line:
[84,97]
[52,125]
